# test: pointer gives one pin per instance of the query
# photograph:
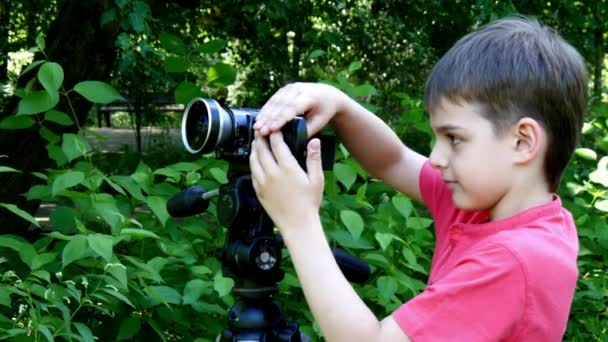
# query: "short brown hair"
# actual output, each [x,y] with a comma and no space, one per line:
[515,68]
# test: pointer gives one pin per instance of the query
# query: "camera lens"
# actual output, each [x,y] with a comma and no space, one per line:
[205,125]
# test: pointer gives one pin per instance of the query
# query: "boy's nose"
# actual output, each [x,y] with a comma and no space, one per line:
[437,158]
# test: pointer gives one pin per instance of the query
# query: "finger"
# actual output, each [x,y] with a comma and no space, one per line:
[280,150]
[314,164]
[269,107]
[257,172]
[265,156]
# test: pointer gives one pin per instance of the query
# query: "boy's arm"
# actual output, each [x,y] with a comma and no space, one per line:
[337,308]
[371,141]
[378,149]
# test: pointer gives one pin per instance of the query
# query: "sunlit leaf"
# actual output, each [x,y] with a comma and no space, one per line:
[37,102]
[50,75]
[17,122]
[172,43]
[21,213]
[98,92]
[353,222]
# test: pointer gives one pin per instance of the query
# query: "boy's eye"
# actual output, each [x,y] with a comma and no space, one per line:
[454,140]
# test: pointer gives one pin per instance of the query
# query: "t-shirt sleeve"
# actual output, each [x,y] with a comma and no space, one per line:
[481,299]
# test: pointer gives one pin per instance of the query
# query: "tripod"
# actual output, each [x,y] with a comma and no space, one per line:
[251,256]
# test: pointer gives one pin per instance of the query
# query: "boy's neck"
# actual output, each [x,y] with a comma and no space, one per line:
[521,198]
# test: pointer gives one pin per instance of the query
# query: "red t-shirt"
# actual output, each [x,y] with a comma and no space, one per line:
[506,280]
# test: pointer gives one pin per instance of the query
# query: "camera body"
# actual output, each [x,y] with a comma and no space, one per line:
[208,127]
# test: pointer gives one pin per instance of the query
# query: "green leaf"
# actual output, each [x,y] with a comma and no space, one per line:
[346,174]
[44,330]
[139,233]
[50,76]
[158,205]
[176,64]
[129,328]
[58,117]
[56,154]
[114,185]
[219,175]
[419,222]
[387,286]
[49,135]
[143,176]
[98,92]
[8,169]
[102,245]
[17,122]
[42,259]
[105,205]
[66,180]
[316,53]
[346,239]
[403,205]
[193,290]
[38,192]
[40,41]
[31,66]
[26,251]
[118,272]
[364,90]
[586,153]
[222,285]
[37,102]
[186,91]
[600,175]
[118,296]
[409,256]
[601,205]
[107,17]
[74,250]
[354,66]
[74,146]
[85,332]
[221,75]
[137,18]
[172,43]
[23,214]
[62,219]
[384,239]
[164,294]
[212,46]
[5,296]
[353,222]
[130,185]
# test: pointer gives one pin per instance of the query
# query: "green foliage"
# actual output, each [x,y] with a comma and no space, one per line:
[585,194]
[116,267]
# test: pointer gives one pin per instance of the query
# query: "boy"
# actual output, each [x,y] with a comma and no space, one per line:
[506,105]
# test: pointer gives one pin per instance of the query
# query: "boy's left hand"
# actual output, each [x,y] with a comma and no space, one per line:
[290,196]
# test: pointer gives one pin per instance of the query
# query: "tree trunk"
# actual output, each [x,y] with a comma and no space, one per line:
[86,51]
[5,8]
[599,63]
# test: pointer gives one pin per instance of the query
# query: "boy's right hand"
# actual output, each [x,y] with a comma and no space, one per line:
[318,103]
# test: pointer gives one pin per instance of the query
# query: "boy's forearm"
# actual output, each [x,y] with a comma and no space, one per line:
[337,308]
[369,139]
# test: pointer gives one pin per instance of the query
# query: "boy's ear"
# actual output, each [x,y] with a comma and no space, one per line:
[529,139]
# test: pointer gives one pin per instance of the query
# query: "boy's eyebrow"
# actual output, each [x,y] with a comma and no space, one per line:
[446,128]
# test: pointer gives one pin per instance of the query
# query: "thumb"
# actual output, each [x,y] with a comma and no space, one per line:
[313,162]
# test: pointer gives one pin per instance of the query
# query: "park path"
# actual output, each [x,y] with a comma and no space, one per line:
[119,138]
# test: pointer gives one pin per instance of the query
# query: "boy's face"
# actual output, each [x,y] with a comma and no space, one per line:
[475,163]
